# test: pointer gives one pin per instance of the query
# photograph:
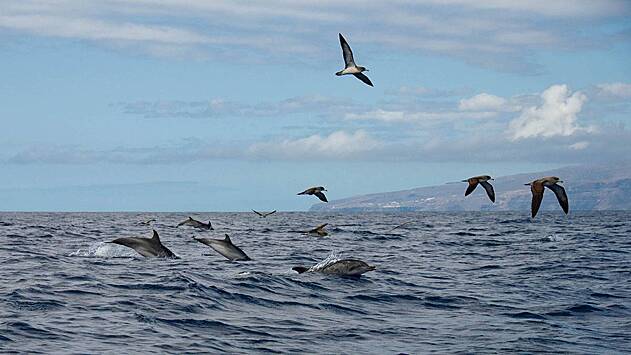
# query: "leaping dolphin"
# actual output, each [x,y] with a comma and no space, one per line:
[196,224]
[147,247]
[225,248]
[344,267]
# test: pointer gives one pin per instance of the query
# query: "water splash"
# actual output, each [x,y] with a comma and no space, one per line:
[330,259]
[105,250]
[554,238]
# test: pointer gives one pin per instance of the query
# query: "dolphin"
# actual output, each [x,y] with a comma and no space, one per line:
[196,224]
[344,267]
[225,248]
[147,247]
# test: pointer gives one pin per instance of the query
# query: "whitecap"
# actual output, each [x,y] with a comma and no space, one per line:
[105,250]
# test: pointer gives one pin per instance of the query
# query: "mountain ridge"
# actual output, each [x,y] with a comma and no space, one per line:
[589,188]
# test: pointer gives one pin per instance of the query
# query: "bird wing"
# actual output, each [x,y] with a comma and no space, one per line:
[472,185]
[269,213]
[401,225]
[318,228]
[347,53]
[308,191]
[321,196]
[363,78]
[259,213]
[489,190]
[537,196]
[559,191]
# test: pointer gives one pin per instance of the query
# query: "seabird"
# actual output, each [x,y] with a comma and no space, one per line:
[401,225]
[482,180]
[147,222]
[344,267]
[537,188]
[319,230]
[349,63]
[264,214]
[315,191]
[196,224]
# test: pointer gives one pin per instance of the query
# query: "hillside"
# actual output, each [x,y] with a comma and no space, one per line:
[604,187]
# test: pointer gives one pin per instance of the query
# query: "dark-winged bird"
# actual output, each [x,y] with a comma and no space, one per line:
[264,214]
[482,180]
[317,191]
[537,188]
[349,64]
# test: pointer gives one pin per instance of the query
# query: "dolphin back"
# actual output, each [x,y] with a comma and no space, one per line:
[348,267]
[147,247]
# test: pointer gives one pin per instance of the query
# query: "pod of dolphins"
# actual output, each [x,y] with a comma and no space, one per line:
[152,247]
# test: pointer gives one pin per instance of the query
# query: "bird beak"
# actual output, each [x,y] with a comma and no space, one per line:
[492,179]
[527,184]
[560,181]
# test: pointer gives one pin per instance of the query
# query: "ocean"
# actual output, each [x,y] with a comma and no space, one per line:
[477,282]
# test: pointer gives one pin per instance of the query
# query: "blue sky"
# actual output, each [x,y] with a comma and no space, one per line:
[223,105]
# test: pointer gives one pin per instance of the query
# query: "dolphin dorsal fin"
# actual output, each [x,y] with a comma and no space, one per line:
[155,237]
[227,239]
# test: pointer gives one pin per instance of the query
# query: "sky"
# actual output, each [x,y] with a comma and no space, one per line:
[170,105]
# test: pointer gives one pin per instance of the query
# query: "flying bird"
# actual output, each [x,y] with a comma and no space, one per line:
[401,225]
[147,222]
[264,214]
[537,188]
[482,180]
[349,63]
[319,231]
[317,191]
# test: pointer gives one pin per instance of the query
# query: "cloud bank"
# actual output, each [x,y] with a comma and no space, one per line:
[496,34]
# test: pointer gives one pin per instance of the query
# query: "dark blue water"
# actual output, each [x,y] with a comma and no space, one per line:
[479,282]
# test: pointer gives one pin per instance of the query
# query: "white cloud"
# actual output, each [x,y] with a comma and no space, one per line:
[622,90]
[218,107]
[416,116]
[337,145]
[491,33]
[557,8]
[485,102]
[579,145]
[556,116]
